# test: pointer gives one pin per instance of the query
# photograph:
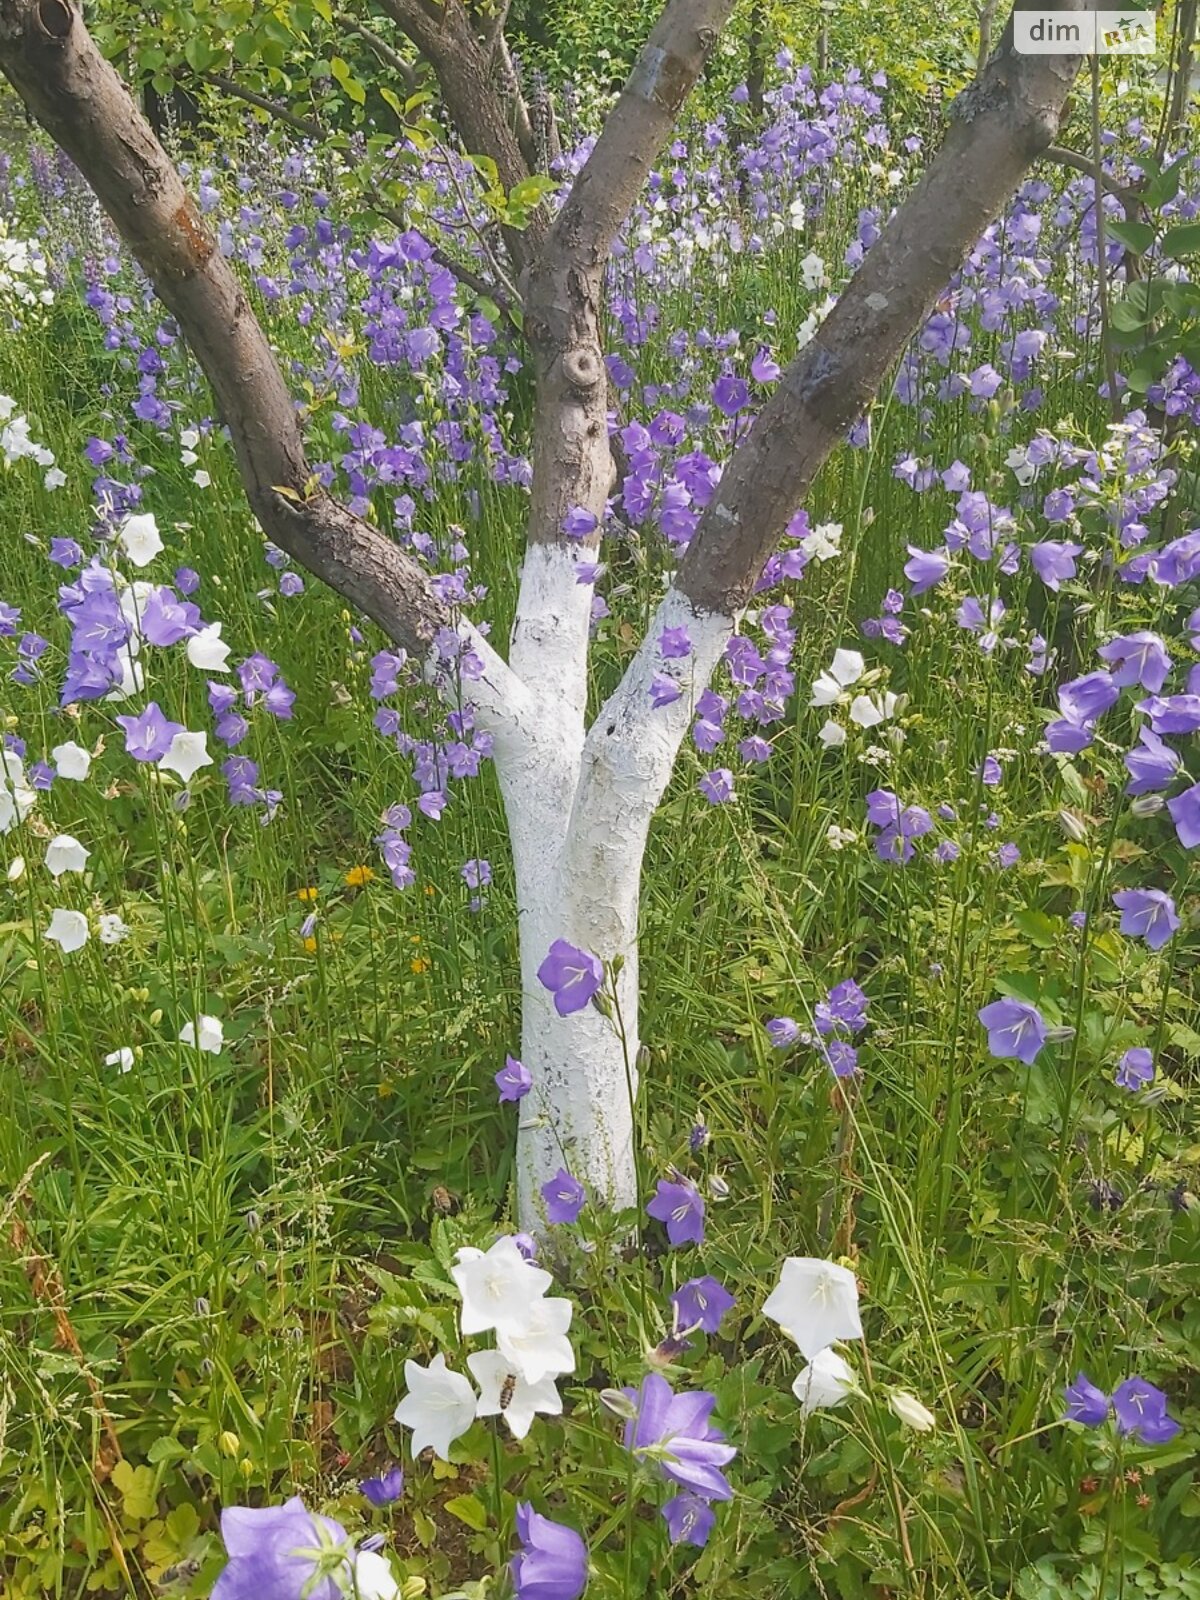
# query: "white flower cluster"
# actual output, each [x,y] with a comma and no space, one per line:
[16,796]
[16,444]
[504,1294]
[832,688]
[815,1302]
[67,928]
[23,273]
[141,541]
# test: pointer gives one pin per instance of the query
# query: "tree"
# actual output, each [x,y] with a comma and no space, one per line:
[579,798]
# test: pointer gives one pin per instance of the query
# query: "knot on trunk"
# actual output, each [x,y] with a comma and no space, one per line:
[582,367]
[55,18]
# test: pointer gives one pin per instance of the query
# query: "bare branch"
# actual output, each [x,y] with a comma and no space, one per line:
[635,131]
[492,31]
[498,54]
[1062,156]
[447,41]
[48,56]
[304,125]
[503,295]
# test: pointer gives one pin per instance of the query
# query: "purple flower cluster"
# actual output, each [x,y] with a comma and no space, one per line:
[897,825]
[673,1432]
[843,1011]
[1139,1409]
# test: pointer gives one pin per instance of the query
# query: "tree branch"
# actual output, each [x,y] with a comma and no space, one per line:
[447,41]
[1002,123]
[390,58]
[56,69]
[498,54]
[304,125]
[1063,156]
[501,295]
[634,133]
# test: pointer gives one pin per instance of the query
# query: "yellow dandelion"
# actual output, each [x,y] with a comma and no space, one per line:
[307,895]
[419,965]
[357,876]
[310,944]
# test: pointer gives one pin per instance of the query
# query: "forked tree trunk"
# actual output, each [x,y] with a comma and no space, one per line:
[579,812]
[579,799]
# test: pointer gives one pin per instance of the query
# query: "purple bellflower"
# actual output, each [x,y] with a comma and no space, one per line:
[674,1431]
[1015,1030]
[680,1206]
[572,975]
[552,1563]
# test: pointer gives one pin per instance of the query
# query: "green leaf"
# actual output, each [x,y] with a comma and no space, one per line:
[1182,241]
[530,191]
[1163,189]
[487,169]
[1142,376]
[1185,1039]
[349,83]
[424,1527]
[1135,236]
[1182,299]
[1138,295]
[1126,318]
[168,1448]
[135,1485]
[469,1509]
[1041,930]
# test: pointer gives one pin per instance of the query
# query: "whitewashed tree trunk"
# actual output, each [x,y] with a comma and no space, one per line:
[579,812]
[579,1113]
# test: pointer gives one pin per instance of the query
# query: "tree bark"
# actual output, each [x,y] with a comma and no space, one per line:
[572,464]
[461,64]
[756,66]
[1181,87]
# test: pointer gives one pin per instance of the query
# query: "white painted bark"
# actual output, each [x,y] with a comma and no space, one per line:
[549,641]
[579,814]
[579,810]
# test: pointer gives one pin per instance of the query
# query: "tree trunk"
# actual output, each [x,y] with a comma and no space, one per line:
[579,1114]
[756,69]
[1181,87]
[579,812]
